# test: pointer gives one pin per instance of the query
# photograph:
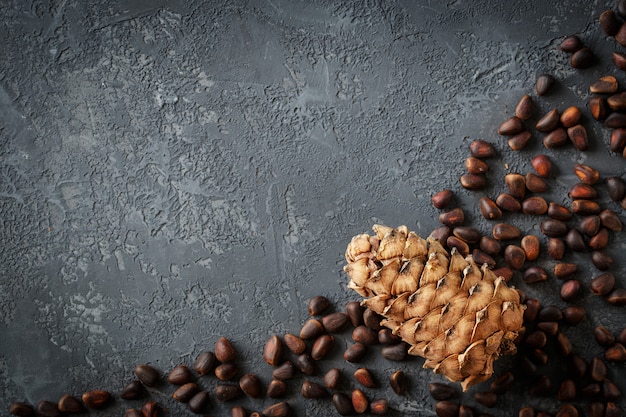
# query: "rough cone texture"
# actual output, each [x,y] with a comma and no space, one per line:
[460,317]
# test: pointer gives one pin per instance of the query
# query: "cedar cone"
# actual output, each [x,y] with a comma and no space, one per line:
[458,316]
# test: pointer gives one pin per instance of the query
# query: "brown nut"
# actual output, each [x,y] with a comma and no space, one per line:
[585,207]
[460,245]
[610,220]
[69,404]
[531,246]
[516,184]
[617,101]
[277,389]
[473,181]
[250,384]
[556,138]
[602,284]
[609,22]
[511,126]
[615,120]
[226,371]
[535,274]
[616,353]
[322,345]
[286,370]
[335,322]
[575,241]
[553,228]
[96,398]
[442,199]
[601,260]
[542,165]
[317,305]
[364,335]
[355,352]
[482,258]
[549,121]
[490,245]
[467,234]
[578,135]
[570,116]
[570,290]
[21,409]
[311,329]
[603,335]
[543,83]
[535,205]
[294,343]
[204,363]
[360,403]
[397,352]
[617,297]
[586,174]
[281,409]
[199,402]
[332,378]
[589,225]
[559,212]
[600,240]
[535,184]
[306,364]
[564,270]
[365,377]
[273,351]
[150,409]
[519,141]
[583,191]
[524,109]
[505,231]
[476,166]
[514,256]
[343,404]
[312,389]
[616,186]
[379,407]
[482,149]
[179,375]
[147,374]
[583,58]
[508,202]
[556,248]
[186,392]
[598,107]
[452,218]
[132,391]
[571,44]
[225,392]
[447,409]
[619,60]
[574,314]
[224,350]
[489,209]
[398,382]
[440,391]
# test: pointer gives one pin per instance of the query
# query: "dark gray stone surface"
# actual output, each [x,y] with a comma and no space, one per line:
[171,171]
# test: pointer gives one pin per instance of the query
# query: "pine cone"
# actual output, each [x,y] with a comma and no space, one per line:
[458,316]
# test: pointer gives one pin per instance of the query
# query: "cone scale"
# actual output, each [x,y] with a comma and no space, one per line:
[458,316]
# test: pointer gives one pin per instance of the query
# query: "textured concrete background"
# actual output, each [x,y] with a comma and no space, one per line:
[175,171]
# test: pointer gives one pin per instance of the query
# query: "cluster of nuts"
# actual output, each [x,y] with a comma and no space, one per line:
[312,344]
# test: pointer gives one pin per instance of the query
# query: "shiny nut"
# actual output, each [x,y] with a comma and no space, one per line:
[273,351]
[511,126]
[482,149]
[442,199]
[542,165]
[524,108]
[549,121]
[224,350]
